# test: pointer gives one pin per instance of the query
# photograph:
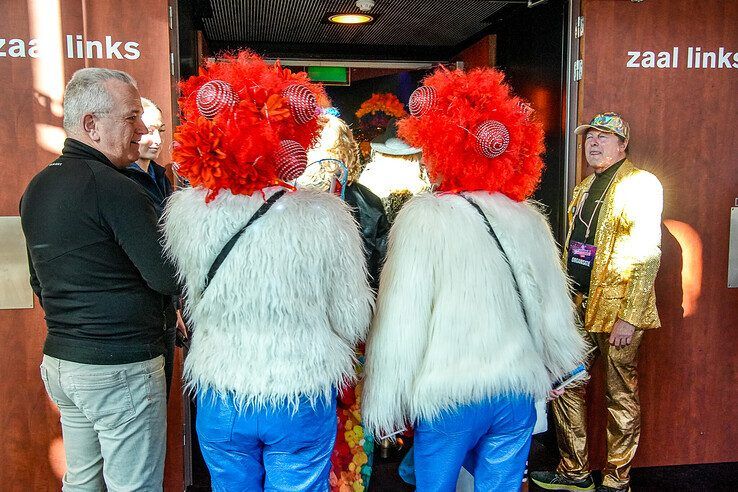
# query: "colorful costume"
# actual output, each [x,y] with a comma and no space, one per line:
[473,315]
[627,241]
[335,155]
[275,330]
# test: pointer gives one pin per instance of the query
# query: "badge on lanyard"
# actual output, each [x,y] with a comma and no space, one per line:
[582,254]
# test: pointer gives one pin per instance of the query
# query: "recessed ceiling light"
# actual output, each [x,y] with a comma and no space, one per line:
[350,18]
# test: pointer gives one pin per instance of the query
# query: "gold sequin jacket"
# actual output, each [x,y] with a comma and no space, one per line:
[628,241]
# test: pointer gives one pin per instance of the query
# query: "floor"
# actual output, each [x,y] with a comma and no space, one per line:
[544,456]
[686,478]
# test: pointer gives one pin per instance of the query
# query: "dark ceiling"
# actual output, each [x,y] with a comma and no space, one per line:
[404,29]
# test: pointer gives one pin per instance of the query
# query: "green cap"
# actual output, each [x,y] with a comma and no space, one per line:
[607,122]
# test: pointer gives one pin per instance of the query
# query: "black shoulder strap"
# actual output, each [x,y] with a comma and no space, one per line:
[229,245]
[504,255]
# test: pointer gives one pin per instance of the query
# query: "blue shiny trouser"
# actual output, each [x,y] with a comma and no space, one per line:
[491,439]
[266,449]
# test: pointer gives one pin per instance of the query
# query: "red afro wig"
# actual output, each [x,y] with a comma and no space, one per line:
[245,124]
[474,133]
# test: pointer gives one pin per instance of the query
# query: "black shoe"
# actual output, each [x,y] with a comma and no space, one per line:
[553,481]
[605,488]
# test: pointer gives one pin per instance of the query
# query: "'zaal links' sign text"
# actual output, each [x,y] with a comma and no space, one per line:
[74,47]
[693,57]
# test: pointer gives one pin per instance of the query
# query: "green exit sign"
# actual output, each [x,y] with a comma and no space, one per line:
[329,75]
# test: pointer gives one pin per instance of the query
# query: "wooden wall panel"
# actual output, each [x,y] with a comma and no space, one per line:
[683,124]
[30,136]
[480,54]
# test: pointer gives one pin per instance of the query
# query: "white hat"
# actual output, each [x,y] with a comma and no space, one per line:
[388,143]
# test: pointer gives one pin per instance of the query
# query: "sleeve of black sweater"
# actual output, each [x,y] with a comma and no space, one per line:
[124,207]
[35,284]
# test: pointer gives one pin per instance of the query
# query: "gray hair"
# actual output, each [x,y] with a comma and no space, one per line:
[86,93]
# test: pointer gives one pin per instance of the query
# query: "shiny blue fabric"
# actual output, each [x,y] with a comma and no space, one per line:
[268,449]
[491,439]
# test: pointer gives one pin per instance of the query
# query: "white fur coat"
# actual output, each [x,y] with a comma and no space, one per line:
[283,314]
[449,329]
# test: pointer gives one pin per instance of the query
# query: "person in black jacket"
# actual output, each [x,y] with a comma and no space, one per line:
[145,171]
[337,148]
[96,267]
[153,178]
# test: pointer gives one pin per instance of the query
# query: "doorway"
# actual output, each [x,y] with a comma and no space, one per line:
[527,40]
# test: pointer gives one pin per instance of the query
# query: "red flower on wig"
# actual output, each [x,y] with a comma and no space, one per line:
[234,115]
[460,106]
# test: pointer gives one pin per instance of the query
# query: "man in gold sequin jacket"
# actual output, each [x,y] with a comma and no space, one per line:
[612,253]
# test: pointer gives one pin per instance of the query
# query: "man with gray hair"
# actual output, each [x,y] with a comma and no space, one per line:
[97,270]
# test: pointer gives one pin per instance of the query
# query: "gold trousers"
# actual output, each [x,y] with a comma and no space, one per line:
[623,419]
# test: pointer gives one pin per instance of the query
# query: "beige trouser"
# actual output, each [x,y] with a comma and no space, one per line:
[623,419]
[114,423]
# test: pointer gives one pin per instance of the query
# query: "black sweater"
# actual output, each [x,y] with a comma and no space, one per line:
[95,260]
[157,188]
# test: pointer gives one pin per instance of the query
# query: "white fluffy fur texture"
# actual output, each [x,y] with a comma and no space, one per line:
[449,329]
[282,315]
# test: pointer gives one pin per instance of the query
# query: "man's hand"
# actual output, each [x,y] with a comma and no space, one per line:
[181,327]
[555,393]
[622,334]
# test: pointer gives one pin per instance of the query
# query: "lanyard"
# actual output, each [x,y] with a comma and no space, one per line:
[588,224]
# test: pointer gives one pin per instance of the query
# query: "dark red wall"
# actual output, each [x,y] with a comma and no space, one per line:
[30,96]
[683,125]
